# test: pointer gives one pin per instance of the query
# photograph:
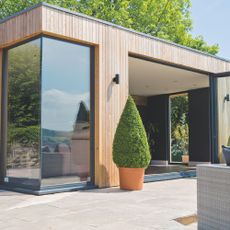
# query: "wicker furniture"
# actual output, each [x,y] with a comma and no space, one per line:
[213,197]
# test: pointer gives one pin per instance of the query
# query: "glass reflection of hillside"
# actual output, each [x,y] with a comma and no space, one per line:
[68,151]
[51,138]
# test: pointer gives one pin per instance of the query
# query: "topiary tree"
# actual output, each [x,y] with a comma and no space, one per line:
[130,145]
[229,141]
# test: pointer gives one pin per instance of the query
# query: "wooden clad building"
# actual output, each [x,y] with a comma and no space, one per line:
[112,50]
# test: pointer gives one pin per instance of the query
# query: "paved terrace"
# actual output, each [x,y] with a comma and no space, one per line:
[155,207]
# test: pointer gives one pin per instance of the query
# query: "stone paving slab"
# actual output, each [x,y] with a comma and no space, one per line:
[155,207]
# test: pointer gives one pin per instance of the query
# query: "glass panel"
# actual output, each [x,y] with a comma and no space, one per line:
[179,128]
[223,94]
[24,113]
[65,112]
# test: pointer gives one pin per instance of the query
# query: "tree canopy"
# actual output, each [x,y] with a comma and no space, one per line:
[167,19]
[24,94]
[24,84]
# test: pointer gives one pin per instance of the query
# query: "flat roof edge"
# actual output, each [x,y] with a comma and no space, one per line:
[113,25]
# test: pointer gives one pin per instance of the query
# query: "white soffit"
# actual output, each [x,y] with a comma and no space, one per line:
[149,78]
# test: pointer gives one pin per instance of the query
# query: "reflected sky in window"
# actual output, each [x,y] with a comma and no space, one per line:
[65,83]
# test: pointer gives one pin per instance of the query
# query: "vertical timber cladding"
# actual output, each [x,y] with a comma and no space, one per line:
[112,46]
[223,113]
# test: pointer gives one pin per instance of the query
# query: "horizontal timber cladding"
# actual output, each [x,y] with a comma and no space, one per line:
[113,45]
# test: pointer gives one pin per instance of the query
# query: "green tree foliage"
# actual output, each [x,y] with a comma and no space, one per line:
[24,85]
[130,145]
[24,94]
[179,126]
[9,7]
[26,136]
[228,141]
[24,105]
[167,19]
[179,109]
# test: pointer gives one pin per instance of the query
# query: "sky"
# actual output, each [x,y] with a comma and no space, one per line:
[62,91]
[211,19]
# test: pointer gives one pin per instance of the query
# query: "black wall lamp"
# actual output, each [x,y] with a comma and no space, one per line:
[116,79]
[227,98]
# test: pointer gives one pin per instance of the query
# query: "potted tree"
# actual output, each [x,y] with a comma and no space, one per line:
[130,148]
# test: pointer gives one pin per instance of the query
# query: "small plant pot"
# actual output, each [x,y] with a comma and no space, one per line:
[226,153]
[131,178]
[185,159]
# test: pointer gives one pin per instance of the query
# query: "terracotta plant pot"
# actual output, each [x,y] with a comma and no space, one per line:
[131,178]
[185,159]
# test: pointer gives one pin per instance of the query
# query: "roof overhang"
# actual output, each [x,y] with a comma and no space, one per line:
[150,78]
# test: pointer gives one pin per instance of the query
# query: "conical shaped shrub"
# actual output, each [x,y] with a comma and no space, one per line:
[130,145]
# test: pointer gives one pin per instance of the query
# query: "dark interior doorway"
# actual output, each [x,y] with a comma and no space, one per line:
[153,87]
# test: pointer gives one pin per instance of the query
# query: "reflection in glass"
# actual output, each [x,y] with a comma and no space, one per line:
[23,132]
[179,127]
[65,112]
[223,85]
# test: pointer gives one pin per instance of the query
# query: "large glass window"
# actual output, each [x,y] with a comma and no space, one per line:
[24,112]
[65,112]
[48,127]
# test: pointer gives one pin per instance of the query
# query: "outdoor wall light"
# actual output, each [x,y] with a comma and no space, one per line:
[116,79]
[227,98]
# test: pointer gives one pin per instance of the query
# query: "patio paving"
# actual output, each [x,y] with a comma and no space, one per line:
[156,207]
